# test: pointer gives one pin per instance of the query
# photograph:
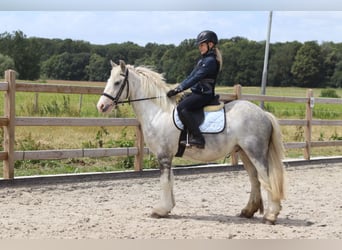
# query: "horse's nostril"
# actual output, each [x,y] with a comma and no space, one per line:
[103,108]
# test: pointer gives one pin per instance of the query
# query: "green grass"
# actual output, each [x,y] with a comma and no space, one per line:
[68,105]
[277,91]
[293,110]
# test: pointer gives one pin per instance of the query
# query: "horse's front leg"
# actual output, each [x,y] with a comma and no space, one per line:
[167,201]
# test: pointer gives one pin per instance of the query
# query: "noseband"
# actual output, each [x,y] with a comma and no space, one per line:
[118,95]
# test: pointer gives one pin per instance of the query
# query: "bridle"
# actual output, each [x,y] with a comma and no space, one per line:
[122,87]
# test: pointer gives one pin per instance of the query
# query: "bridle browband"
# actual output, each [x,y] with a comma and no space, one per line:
[118,95]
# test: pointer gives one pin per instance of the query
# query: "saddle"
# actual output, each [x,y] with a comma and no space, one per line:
[211,120]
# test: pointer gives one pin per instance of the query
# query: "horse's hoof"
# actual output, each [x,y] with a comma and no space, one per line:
[155,215]
[269,222]
[160,213]
[158,216]
[245,214]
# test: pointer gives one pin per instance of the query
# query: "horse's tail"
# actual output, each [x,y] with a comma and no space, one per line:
[275,156]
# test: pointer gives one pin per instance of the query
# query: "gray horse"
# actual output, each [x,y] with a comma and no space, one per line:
[250,131]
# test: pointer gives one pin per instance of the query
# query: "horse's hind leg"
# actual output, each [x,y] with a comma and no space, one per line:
[273,209]
[167,201]
[255,202]
[258,174]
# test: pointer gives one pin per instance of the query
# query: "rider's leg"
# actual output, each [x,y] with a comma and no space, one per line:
[185,110]
[196,138]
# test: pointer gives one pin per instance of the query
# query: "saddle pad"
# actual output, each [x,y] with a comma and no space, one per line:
[214,122]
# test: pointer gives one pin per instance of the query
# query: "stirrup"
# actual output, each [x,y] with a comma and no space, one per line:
[186,141]
[197,145]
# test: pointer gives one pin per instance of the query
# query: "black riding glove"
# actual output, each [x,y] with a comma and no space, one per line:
[173,92]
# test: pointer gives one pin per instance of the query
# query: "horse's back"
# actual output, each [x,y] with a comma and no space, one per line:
[247,119]
[245,111]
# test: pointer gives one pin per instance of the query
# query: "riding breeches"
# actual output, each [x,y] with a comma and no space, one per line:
[188,106]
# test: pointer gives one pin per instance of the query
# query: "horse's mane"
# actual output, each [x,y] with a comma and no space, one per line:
[154,85]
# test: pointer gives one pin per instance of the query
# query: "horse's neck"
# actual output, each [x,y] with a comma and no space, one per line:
[145,110]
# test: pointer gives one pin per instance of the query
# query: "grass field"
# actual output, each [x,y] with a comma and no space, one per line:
[52,105]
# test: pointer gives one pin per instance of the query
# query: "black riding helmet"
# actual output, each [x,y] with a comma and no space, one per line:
[207,36]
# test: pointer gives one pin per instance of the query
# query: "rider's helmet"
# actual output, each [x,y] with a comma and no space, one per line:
[206,36]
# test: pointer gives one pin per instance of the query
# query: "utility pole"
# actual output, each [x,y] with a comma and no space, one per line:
[267,48]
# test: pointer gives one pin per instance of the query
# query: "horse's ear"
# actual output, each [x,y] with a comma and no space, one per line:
[122,65]
[113,63]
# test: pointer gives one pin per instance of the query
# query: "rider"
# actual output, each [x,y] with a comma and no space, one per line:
[202,81]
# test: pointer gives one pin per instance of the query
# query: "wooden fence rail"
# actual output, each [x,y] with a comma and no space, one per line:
[10,121]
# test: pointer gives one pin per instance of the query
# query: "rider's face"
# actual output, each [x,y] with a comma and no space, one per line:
[203,47]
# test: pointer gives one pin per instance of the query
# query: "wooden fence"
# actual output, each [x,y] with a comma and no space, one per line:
[10,121]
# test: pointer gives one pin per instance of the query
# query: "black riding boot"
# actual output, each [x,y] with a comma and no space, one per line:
[195,136]
[197,139]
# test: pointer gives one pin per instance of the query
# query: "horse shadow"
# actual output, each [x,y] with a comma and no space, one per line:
[288,222]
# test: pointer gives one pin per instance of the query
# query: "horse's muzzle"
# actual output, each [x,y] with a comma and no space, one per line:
[103,108]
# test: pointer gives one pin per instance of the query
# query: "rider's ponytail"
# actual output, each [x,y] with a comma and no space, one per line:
[218,57]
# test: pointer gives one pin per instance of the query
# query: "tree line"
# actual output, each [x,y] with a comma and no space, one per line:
[307,64]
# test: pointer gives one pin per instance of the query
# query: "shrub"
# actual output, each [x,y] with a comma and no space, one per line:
[330,93]
[335,137]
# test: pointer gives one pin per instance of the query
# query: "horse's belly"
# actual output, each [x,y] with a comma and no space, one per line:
[202,157]
[208,154]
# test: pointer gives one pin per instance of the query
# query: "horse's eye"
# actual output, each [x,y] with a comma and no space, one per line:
[117,83]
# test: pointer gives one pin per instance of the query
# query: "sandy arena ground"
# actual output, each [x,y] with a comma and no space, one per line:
[207,208]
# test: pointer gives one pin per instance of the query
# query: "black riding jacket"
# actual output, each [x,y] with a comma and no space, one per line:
[202,79]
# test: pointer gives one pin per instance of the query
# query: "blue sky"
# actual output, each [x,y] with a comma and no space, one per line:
[172,5]
[172,27]
[172,21]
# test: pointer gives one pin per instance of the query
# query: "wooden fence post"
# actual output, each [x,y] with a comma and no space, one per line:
[308,127]
[80,104]
[36,104]
[139,143]
[238,93]
[9,130]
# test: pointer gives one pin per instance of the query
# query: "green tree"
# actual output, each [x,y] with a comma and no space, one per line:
[153,54]
[282,56]
[336,78]
[178,62]
[291,63]
[24,52]
[168,64]
[242,62]
[98,68]
[67,66]
[127,51]
[5,63]
[73,47]
[307,67]
[330,57]
[230,53]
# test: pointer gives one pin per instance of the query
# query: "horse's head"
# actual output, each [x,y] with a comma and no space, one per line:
[116,88]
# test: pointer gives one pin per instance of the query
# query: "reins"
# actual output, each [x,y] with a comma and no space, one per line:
[118,95]
[138,100]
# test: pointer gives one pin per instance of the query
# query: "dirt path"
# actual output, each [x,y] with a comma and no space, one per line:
[207,207]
